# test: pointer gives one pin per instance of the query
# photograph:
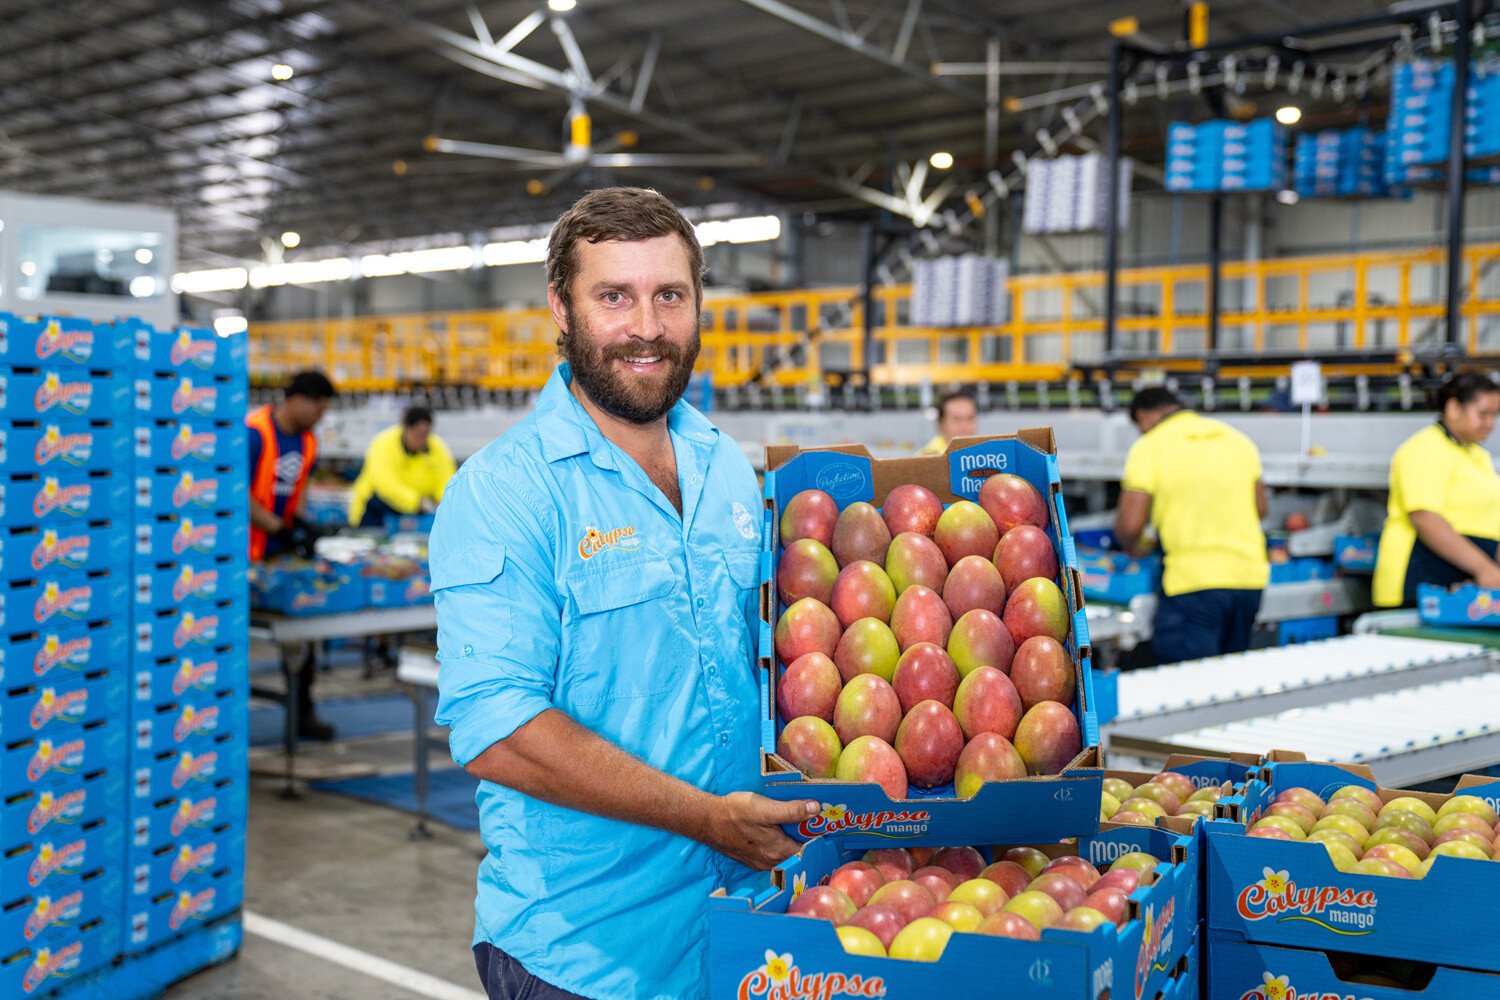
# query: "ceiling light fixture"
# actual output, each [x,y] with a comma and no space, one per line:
[561,6]
[1289,115]
[941,160]
[1288,197]
[290,239]
[281,71]
[143,256]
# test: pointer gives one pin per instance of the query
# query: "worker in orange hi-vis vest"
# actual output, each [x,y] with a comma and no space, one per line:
[283,452]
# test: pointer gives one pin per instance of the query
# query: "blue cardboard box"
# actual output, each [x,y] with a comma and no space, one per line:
[65,650]
[1114,577]
[1289,893]
[41,918]
[210,533]
[192,581]
[163,680]
[178,631]
[42,763]
[1054,806]
[63,396]
[63,497]
[170,914]
[77,547]
[189,818]
[191,396]
[748,933]
[50,813]
[187,862]
[57,598]
[63,704]
[50,967]
[50,447]
[62,341]
[1267,972]
[189,491]
[300,589]
[191,773]
[1465,605]
[1355,553]
[191,444]
[46,864]
[189,349]
[192,722]
[399,593]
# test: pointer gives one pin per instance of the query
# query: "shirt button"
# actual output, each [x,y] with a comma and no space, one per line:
[723,739]
[701,603]
[468,649]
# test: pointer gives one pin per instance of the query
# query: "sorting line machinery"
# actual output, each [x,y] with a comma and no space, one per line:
[1413,709]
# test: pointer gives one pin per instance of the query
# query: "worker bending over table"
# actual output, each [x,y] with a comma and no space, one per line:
[405,471]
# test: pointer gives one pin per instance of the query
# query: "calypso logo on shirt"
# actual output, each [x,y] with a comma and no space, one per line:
[780,979]
[890,822]
[1156,940]
[74,397]
[1277,897]
[1281,988]
[595,541]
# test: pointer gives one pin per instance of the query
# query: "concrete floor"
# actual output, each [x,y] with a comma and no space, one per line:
[348,872]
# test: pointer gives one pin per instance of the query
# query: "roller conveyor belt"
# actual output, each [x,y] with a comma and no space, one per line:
[1406,736]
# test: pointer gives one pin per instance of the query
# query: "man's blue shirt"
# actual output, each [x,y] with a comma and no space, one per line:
[565,579]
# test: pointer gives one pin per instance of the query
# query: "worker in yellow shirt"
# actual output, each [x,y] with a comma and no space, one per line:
[1443,519]
[406,469]
[1199,481]
[957,416]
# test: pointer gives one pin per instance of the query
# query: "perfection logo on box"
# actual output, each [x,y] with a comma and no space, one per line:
[841,480]
[889,822]
[1348,912]
[780,979]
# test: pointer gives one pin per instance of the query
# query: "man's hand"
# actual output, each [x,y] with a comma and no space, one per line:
[747,827]
[1489,577]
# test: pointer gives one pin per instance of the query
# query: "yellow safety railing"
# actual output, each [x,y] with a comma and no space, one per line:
[1375,302]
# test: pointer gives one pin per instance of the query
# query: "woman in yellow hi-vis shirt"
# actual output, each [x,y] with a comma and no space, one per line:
[1443,520]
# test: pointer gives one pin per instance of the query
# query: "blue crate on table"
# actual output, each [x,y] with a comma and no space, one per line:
[299,590]
[1467,605]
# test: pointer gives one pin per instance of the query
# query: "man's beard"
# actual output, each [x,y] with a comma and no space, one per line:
[636,399]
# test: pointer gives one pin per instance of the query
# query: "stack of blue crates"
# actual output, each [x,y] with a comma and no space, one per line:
[1341,163]
[184,862]
[1224,155]
[1420,126]
[64,584]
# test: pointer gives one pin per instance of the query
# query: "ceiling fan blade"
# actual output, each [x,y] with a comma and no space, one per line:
[517,154]
[702,160]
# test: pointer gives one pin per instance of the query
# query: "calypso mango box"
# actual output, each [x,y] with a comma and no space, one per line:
[52,965]
[50,813]
[26,342]
[179,631]
[80,546]
[160,918]
[45,862]
[189,818]
[52,915]
[65,650]
[190,722]
[163,680]
[1463,605]
[189,491]
[63,497]
[191,396]
[756,950]
[1286,892]
[173,444]
[54,599]
[42,762]
[171,538]
[51,447]
[192,773]
[1241,971]
[188,349]
[188,862]
[63,705]
[63,395]
[196,581]
[1054,806]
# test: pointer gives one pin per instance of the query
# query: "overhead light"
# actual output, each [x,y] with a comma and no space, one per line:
[143,256]
[228,326]
[290,239]
[754,229]
[143,286]
[28,268]
[281,71]
[941,160]
[561,6]
[1288,197]
[219,279]
[514,252]
[303,272]
[1289,115]
[384,265]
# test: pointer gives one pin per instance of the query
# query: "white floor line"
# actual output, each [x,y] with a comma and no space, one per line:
[362,962]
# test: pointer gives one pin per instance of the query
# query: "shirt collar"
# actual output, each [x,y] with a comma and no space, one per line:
[566,429]
[1449,434]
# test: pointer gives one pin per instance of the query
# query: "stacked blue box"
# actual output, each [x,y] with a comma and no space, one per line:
[184,856]
[64,603]
[1226,156]
[1342,163]
[1421,122]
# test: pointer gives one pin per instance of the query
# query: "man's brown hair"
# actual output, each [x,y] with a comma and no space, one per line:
[625,214]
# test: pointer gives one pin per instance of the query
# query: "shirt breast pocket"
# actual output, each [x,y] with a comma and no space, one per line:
[744,574]
[624,633]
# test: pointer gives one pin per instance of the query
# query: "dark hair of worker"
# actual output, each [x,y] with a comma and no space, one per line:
[942,404]
[416,415]
[1463,388]
[312,384]
[1151,399]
